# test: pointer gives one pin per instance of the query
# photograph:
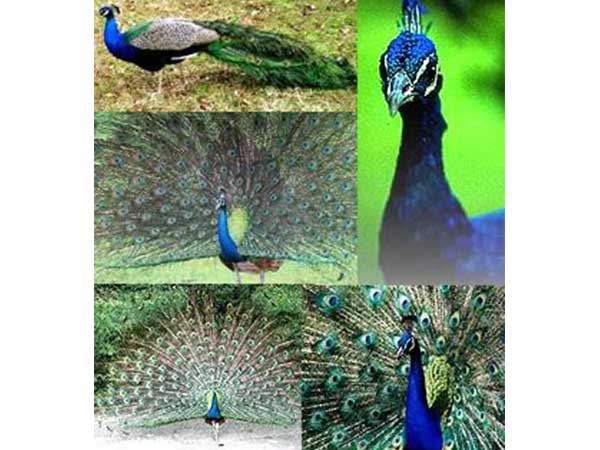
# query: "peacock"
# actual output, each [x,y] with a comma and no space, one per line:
[214,361]
[267,57]
[426,236]
[404,368]
[253,189]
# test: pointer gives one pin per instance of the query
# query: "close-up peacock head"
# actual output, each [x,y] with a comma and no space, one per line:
[409,68]
[221,200]
[108,11]
[405,344]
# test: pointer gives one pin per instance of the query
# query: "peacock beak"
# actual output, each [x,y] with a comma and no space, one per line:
[400,91]
[400,353]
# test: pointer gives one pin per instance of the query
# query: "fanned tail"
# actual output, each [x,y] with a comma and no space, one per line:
[248,360]
[288,178]
[278,59]
[354,387]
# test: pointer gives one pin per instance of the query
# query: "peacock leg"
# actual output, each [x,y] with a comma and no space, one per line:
[216,436]
[262,277]
[237,275]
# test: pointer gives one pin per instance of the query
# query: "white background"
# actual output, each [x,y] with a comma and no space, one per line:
[46,225]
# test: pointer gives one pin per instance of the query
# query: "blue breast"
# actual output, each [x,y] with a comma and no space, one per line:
[214,413]
[229,249]
[423,426]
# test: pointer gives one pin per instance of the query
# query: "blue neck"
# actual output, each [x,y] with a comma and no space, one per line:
[422,215]
[214,413]
[423,430]
[115,41]
[229,249]
[422,130]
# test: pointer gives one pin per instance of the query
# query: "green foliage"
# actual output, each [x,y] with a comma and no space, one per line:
[121,312]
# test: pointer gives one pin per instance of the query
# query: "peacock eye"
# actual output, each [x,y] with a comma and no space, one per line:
[375,294]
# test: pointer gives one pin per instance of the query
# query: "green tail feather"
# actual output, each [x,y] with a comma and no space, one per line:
[278,59]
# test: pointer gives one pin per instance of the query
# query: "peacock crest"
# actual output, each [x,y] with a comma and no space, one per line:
[256,190]
[357,393]
[216,360]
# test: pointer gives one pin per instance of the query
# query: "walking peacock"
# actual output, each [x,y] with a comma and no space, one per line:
[426,235]
[404,367]
[267,57]
[254,189]
[215,361]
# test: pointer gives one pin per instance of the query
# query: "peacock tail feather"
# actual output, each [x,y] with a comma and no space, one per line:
[289,180]
[226,350]
[277,59]
[353,386]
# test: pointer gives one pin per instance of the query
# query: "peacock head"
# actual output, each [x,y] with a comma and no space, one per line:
[406,342]
[409,70]
[409,67]
[221,200]
[108,11]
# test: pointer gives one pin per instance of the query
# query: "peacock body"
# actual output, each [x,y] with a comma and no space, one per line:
[214,360]
[426,235]
[254,190]
[404,367]
[267,57]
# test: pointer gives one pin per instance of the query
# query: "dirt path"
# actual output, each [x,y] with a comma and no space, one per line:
[195,434]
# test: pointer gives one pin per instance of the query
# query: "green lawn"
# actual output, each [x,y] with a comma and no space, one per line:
[211,270]
[474,142]
[203,84]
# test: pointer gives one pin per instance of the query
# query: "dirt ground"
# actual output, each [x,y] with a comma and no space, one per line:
[195,434]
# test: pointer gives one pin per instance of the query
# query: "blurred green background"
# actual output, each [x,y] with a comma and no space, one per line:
[469,36]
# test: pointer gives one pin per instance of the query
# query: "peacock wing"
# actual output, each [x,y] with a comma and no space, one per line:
[248,360]
[300,194]
[169,34]
[154,201]
[479,256]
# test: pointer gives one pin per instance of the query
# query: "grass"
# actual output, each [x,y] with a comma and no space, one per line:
[211,270]
[203,84]
[474,142]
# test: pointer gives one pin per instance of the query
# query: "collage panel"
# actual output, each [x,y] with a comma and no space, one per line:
[206,365]
[225,198]
[431,141]
[210,55]
[403,368]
